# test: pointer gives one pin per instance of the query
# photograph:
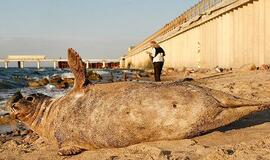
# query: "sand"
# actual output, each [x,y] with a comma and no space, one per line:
[248,138]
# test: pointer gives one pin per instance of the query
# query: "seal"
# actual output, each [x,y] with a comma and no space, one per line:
[125,113]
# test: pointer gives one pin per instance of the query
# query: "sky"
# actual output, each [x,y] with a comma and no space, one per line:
[95,28]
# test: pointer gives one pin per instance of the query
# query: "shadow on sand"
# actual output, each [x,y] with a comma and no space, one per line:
[248,121]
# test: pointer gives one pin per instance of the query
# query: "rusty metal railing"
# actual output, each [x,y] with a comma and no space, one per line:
[200,7]
[197,9]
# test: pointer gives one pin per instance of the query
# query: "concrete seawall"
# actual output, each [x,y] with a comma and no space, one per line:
[231,34]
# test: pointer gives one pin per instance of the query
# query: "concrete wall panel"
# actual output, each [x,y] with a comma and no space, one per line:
[231,37]
[267,31]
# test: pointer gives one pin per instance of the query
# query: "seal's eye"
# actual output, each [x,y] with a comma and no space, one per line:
[29,98]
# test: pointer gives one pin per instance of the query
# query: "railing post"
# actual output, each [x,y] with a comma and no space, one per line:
[6,64]
[38,64]
[87,64]
[103,64]
[54,64]
[21,64]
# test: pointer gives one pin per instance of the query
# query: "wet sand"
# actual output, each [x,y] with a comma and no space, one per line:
[248,138]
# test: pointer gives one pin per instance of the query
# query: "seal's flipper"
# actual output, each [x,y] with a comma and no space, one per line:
[70,150]
[78,69]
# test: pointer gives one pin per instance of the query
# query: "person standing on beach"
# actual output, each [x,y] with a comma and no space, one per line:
[157,56]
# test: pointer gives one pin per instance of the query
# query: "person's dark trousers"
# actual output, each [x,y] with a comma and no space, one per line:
[157,70]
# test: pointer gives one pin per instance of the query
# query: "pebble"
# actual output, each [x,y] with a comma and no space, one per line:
[228,151]
[16,133]
[3,114]
[114,158]
[166,153]
[248,67]
[264,67]
[24,132]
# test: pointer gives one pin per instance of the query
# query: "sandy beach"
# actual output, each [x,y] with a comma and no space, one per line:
[248,138]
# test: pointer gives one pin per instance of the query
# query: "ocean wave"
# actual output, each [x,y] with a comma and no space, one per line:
[10,84]
[102,72]
[67,75]
[48,90]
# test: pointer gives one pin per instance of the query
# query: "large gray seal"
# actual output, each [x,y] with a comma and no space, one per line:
[125,113]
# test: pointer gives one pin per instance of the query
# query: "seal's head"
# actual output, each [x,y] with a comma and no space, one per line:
[24,108]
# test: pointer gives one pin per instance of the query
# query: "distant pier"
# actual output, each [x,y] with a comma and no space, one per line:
[58,63]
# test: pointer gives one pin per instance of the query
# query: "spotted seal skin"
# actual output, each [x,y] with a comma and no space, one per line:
[125,113]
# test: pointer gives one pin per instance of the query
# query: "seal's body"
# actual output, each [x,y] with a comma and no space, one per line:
[126,113]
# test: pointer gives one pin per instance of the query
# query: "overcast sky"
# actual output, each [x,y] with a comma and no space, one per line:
[95,28]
